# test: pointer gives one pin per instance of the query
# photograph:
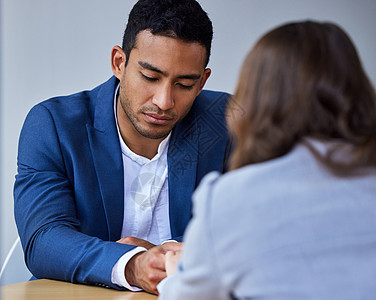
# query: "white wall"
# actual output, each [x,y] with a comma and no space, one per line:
[51,47]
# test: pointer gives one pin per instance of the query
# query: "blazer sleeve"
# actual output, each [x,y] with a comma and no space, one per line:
[198,276]
[46,214]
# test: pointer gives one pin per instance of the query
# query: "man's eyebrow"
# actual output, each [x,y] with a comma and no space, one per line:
[190,76]
[150,67]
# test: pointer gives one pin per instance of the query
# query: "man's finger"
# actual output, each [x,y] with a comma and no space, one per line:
[152,279]
[172,246]
[172,259]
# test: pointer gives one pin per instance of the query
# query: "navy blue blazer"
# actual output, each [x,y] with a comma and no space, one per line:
[69,188]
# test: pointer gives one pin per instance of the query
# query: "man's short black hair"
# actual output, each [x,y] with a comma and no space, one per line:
[180,19]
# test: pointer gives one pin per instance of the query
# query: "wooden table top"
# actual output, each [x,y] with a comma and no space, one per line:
[44,289]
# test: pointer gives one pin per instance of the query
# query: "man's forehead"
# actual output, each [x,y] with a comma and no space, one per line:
[161,52]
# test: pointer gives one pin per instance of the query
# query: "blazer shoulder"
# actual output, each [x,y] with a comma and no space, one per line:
[84,97]
[78,106]
[208,98]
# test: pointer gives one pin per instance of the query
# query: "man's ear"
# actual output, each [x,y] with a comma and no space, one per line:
[205,77]
[118,60]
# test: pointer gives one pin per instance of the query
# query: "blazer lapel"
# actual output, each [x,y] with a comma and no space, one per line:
[182,164]
[106,152]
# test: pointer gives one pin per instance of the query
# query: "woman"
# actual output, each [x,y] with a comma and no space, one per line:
[296,216]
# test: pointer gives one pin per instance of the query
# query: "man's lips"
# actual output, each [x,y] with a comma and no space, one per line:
[157,118]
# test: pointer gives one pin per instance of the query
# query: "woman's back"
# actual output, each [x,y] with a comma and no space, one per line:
[289,228]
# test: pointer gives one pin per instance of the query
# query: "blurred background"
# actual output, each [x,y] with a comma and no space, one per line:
[51,47]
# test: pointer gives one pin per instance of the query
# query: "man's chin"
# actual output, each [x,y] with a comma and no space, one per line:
[155,135]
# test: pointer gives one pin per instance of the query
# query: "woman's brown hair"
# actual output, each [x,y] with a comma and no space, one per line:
[303,80]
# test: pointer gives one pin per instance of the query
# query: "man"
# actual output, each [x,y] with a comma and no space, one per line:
[120,162]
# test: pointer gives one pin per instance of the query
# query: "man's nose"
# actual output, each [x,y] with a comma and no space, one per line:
[163,98]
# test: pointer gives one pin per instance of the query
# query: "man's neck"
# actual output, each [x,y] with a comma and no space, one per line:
[141,145]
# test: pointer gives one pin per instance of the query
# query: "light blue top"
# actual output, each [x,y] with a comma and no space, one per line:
[282,229]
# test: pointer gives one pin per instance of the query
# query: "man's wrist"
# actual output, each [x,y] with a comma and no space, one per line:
[118,271]
[130,269]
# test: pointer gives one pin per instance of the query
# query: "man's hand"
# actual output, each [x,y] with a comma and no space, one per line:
[147,269]
[131,240]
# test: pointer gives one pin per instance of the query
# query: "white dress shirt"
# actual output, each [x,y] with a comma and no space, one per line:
[146,206]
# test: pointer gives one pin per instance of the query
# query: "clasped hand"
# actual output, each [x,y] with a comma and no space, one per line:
[147,269]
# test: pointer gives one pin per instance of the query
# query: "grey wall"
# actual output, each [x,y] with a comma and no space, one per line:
[51,47]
